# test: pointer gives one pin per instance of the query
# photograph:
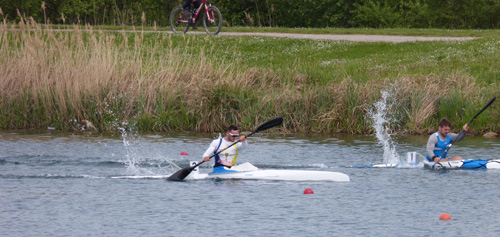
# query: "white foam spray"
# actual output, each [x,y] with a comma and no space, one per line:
[381,123]
[134,155]
[155,164]
[131,159]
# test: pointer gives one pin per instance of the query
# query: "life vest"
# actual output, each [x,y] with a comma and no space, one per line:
[224,161]
[440,146]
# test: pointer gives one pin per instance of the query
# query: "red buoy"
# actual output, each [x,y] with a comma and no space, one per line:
[184,153]
[445,217]
[308,191]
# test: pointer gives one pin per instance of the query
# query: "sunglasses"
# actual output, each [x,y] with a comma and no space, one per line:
[234,135]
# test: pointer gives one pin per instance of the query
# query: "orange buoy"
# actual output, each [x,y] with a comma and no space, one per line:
[445,217]
[308,191]
[184,153]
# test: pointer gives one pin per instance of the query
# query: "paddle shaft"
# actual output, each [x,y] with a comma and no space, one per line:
[485,107]
[183,173]
[262,127]
[462,133]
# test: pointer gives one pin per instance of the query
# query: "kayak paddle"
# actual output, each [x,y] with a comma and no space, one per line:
[462,134]
[183,173]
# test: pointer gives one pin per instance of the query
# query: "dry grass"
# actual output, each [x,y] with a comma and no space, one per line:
[52,77]
[65,79]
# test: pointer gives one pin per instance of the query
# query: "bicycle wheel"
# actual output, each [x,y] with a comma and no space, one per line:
[213,21]
[178,21]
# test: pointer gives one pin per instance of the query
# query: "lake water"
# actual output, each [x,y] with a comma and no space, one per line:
[60,184]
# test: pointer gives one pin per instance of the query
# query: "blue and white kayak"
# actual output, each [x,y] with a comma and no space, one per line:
[463,164]
[248,171]
[453,164]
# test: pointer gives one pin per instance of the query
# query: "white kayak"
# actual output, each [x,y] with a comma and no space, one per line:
[248,171]
[411,162]
[397,165]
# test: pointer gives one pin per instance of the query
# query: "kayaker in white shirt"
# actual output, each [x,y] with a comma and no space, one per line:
[227,158]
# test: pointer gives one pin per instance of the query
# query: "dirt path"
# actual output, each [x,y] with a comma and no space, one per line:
[355,38]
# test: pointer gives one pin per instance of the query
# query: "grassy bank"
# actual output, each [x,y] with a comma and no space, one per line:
[164,82]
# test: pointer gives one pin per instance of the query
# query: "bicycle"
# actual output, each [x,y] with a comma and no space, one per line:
[212,19]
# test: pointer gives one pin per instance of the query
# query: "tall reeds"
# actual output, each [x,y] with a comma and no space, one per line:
[85,78]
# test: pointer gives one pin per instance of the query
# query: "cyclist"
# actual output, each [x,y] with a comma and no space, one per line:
[187,10]
[187,6]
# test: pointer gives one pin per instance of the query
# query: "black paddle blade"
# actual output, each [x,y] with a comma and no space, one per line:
[180,175]
[269,124]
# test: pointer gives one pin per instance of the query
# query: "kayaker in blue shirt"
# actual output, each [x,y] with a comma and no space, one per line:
[439,141]
[225,160]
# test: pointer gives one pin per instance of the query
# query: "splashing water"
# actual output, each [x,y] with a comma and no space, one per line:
[156,165]
[133,158]
[381,124]
[131,162]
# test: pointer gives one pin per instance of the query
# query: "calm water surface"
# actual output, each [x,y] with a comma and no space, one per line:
[60,184]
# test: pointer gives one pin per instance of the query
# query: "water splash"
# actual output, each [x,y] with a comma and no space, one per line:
[132,162]
[131,159]
[137,162]
[381,124]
